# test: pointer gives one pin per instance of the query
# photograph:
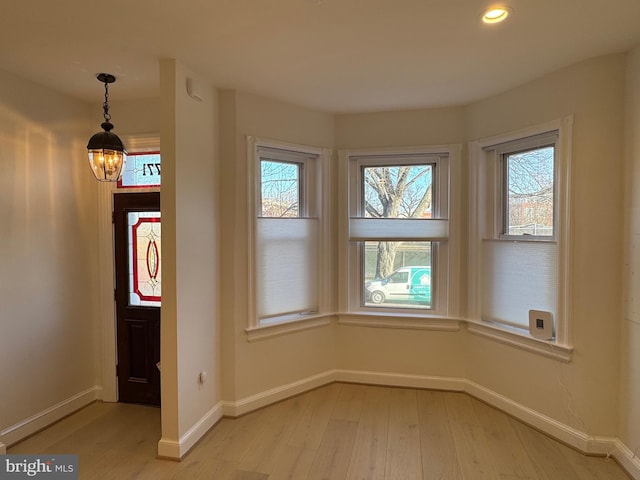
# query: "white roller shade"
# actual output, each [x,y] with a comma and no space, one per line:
[518,277]
[397,229]
[287,265]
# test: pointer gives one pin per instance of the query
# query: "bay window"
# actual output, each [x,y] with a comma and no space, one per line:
[396,232]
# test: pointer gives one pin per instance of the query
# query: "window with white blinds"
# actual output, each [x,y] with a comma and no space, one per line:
[286,266]
[518,277]
[398,231]
[286,271]
[520,227]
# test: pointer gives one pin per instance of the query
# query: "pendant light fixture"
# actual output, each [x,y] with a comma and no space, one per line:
[106,151]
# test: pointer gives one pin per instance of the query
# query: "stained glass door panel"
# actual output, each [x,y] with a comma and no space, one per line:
[145,247]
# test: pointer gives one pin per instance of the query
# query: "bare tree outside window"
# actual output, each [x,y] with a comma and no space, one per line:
[280,188]
[396,192]
[529,189]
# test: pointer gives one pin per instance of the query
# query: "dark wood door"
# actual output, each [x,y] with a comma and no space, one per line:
[137,230]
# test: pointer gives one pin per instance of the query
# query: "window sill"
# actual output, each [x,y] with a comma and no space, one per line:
[520,339]
[499,333]
[286,326]
[412,322]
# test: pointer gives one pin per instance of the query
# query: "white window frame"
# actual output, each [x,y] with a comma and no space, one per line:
[445,250]
[512,147]
[486,222]
[308,197]
[315,198]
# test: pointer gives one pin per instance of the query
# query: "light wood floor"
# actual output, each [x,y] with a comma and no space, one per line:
[340,431]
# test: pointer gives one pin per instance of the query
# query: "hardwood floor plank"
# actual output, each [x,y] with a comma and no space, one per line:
[334,454]
[293,463]
[438,449]
[369,452]
[403,459]
[237,441]
[349,402]
[274,428]
[507,454]
[544,453]
[42,441]
[469,437]
[316,412]
[591,467]
[244,475]
[219,470]
[212,442]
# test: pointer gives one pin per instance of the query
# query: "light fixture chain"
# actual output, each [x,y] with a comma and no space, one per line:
[105,106]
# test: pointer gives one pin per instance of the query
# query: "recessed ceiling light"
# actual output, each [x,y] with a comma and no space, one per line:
[496,14]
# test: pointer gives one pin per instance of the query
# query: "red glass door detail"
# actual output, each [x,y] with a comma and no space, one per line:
[145,259]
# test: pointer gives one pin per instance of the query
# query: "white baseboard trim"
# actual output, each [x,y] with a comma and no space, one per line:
[43,419]
[169,449]
[175,450]
[259,400]
[401,380]
[589,444]
[627,459]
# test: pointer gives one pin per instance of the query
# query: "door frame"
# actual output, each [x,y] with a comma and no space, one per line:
[142,142]
[107,304]
[144,390]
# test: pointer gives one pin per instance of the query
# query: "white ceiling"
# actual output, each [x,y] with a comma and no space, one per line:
[331,55]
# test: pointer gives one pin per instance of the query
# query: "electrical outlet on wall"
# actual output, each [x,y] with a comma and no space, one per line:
[541,324]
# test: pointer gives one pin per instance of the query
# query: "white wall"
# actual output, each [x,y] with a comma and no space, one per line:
[49,350]
[251,368]
[584,393]
[630,338]
[130,117]
[190,326]
[436,126]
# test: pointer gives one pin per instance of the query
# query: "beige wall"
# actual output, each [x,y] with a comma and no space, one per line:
[190,321]
[630,339]
[436,126]
[250,368]
[130,117]
[583,393]
[49,280]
